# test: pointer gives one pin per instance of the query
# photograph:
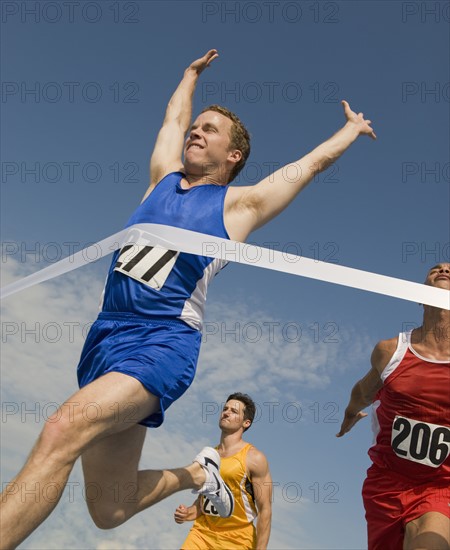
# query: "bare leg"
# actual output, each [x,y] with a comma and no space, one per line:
[93,413]
[120,490]
[428,532]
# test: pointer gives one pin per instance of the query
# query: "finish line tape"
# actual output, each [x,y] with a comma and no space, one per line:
[191,242]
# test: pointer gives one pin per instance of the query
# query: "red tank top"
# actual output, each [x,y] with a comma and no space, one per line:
[411,415]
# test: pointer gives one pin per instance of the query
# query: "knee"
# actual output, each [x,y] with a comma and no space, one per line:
[107,518]
[59,437]
[428,540]
[429,531]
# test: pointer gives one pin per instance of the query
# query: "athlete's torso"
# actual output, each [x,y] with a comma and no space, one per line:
[412,415]
[155,282]
[234,472]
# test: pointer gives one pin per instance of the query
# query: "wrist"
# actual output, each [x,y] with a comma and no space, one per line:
[191,72]
[351,130]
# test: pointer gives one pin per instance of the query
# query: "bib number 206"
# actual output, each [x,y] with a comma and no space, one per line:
[422,442]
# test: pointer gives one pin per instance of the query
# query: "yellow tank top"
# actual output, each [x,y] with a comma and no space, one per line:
[233,472]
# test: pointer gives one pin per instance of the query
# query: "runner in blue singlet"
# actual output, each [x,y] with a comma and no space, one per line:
[141,353]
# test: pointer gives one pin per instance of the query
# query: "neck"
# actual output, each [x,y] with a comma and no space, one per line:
[436,321]
[203,180]
[434,334]
[215,175]
[231,441]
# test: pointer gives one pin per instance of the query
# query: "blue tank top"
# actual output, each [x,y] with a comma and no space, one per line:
[158,283]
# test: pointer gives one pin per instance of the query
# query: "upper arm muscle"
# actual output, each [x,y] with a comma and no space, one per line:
[167,153]
[258,468]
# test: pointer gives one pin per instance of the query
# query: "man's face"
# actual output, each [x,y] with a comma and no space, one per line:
[208,144]
[439,276]
[232,417]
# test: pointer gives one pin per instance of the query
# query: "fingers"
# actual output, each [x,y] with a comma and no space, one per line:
[347,110]
[358,119]
[343,431]
[349,422]
[210,56]
[371,133]
[180,514]
[345,427]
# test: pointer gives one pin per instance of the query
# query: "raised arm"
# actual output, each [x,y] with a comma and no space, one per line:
[365,390]
[261,479]
[253,206]
[167,153]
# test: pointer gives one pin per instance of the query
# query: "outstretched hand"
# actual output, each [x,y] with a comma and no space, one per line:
[358,119]
[350,420]
[199,65]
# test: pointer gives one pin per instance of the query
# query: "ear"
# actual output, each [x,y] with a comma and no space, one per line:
[234,156]
[247,423]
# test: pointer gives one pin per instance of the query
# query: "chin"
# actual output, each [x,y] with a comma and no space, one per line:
[194,168]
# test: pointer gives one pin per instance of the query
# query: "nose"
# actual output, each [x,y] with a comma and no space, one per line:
[194,133]
[445,269]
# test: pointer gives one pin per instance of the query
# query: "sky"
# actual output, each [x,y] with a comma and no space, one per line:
[83,93]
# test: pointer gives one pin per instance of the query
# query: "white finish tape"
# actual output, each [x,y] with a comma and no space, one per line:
[182,240]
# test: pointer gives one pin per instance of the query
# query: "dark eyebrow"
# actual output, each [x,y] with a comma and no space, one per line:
[233,409]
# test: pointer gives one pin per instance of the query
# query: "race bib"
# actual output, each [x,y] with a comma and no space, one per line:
[208,508]
[422,442]
[150,265]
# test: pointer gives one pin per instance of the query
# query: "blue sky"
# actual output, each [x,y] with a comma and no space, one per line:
[84,88]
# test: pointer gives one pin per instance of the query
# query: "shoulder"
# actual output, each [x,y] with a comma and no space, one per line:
[382,353]
[257,463]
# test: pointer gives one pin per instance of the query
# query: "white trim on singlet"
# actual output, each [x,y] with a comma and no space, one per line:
[194,307]
[414,352]
[249,510]
[403,345]
[375,422]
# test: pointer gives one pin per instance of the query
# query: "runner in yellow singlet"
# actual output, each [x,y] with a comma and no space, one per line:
[246,472]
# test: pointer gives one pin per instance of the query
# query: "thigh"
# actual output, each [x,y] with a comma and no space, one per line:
[111,404]
[431,530]
[383,512]
[161,355]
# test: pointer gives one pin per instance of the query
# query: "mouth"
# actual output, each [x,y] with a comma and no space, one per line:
[194,145]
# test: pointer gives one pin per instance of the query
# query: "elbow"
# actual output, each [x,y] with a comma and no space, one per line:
[323,164]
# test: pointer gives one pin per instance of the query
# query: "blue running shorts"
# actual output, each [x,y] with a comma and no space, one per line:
[161,354]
